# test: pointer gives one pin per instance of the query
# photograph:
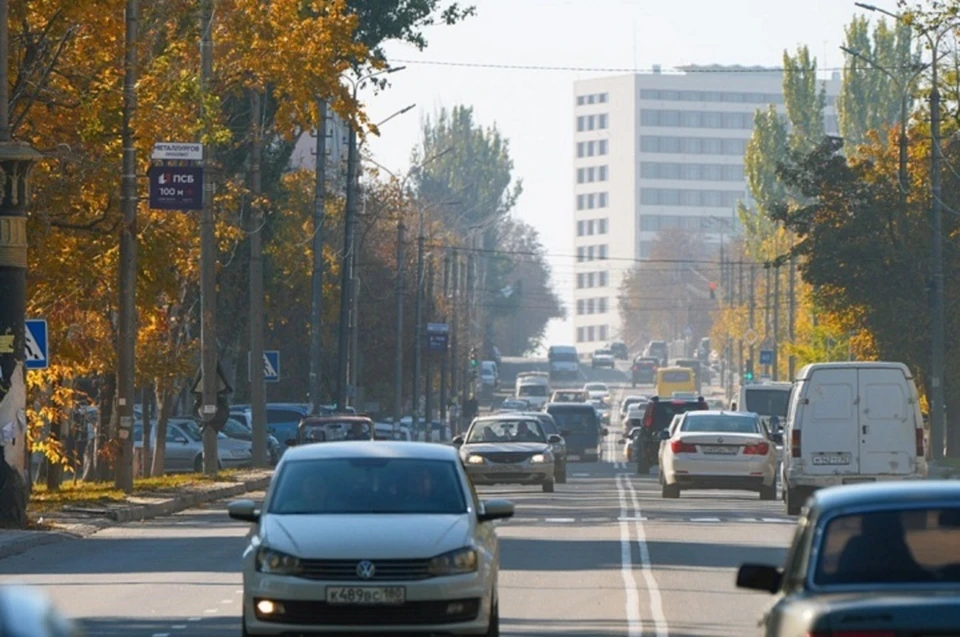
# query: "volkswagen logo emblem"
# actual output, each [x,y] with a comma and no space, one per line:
[720,440]
[366,569]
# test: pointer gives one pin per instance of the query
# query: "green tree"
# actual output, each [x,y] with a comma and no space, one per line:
[869,98]
[805,99]
[766,148]
[403,20]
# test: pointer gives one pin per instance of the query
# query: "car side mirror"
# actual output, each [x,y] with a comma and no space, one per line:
[458,441]
[554,439]
[664,435]
[776,439]
[495,510]
[759,577]
[244,510]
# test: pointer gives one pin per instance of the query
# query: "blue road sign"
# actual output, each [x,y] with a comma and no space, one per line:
[36,347]
[766,357]
[271,366]
[437,336]
[176,187]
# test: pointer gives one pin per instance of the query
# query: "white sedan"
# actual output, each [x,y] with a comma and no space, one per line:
[597,391]
[371,538]
[718,450]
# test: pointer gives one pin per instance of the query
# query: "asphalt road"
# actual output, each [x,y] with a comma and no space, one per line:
[602,556]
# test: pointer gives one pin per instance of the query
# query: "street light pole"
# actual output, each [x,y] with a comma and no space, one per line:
[398,355]
[418,303]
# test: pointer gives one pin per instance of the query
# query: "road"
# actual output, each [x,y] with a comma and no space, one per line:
[602,556]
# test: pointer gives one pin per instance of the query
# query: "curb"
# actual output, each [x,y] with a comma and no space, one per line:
[132,513]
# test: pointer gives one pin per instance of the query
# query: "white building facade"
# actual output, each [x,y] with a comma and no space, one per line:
[304,152]
[658,151]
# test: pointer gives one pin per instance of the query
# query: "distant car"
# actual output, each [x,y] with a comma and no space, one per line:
[373,537]
[644,371]
[603,358]
[619,350]
[872,560]
[569,396]
[718,450]
[657,416]
[513,404]
[508,449]
[603,409]
[597,391]
[627,403]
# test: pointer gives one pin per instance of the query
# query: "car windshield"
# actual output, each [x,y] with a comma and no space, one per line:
[236,429]
[532,390]
[721,424]
[564,357]
[768,402]
[891,547]
[191,429]
[506,431]
[595,387]
[569,397]
[368,485]
[575,420]
[676,377]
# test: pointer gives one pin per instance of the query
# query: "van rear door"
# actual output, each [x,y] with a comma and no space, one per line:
[829,432]
[887,423]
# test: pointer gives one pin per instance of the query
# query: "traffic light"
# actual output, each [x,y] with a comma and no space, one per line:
[748,373]
[713,290]
[473,357]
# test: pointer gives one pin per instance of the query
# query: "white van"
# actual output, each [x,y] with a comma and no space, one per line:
[848,423]
[564,362]
[534,387]
[765,399]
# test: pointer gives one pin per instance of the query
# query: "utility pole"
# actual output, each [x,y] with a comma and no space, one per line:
[724,371]
[937,402]
[346,268]
[444,353]
[16,161]
[776,321]
[418,333]
[427,377]
[398,327]
[793,315]
[127,323]
[258,390]
[208,263]
[468,321]
[740,304]
[316,280]
[753,312]
[354,335]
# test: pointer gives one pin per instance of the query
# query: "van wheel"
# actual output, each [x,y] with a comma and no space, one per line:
[670,491]
[794,503]
[548,486]
[768,493]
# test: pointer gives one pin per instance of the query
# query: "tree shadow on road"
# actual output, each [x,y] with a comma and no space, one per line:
[133,627]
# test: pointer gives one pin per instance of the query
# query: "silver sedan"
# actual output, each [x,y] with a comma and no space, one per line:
[508,449]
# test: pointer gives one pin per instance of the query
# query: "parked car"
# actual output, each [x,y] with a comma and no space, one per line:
[871,560]
[184,447]
[236,429]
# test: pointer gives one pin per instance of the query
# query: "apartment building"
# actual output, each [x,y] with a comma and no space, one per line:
[304,153]
[657,151]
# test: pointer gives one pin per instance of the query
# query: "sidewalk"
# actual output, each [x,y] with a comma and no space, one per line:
[75,522]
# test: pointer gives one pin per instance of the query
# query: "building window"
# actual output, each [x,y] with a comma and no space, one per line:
[590,147]
[590,279]
[590,334]
[579,334]
[603,147]
[602,121]
[580,306]
[702,198]
[590,201]
[590,253]
[580,278]
[602,98]
[601,226]
[580,175]
[603,279]
[602,173]
[580,253]
[580,202]
[692,145]
[591,120]
[602,200]
[602,303]
[579,149]
[602,252]
[579,228]
[581,100]
[590,99]
[591,174]
[603,333]
[589,305]
[580,124]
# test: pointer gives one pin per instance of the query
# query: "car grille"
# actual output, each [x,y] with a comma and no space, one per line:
[346,570]
[409,614]
[508,456]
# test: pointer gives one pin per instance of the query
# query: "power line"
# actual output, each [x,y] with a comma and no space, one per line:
[610,69]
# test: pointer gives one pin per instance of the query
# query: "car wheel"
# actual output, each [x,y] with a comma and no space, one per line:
[548,486]
[768,493]
[670,491]
[493,629]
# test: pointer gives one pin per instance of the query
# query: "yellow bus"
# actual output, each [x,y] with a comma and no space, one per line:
[675,379]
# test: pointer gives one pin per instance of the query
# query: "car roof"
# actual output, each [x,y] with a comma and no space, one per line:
[886,493]
[347,418]
[371,449]
[720,412]
[510,416]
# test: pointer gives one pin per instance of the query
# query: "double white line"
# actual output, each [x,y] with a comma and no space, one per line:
[612,452]
[631,513]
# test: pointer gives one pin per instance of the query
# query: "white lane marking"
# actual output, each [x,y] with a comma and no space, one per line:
[211,611]
[179,627]
[194,619]
[588,520]
[777,520]
[656,603]
[704,519]
[581,475]
[634,623]
[161,634]
[745,520]
[559,520]
[239,591]
[632,518]
[226,601]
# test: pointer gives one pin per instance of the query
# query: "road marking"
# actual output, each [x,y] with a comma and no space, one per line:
[656,603]
[777,520]
[194,619]
[589,520]
[635,626]
[581,475]
[559,520]
[211,611]
[226,601]
[161,634]
[704,519]
[635,518]
[179,627]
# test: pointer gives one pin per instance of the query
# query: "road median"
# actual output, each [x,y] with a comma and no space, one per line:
[78,510]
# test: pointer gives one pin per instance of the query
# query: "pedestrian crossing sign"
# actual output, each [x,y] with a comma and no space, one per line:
[271,366]
[36,344]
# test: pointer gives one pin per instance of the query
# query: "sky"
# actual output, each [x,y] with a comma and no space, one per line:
[567,40]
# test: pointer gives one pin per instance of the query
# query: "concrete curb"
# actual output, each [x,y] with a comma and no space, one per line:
[131,513]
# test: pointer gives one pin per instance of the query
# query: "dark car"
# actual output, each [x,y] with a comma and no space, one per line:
[659,351]
[880,559]
[644,370]
[559,448]
[333,428]
[581,429]
[619,350]
[657,416]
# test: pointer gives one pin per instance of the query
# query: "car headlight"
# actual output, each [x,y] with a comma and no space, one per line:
[540,458]
[455,562]
[276,563]
[475,459]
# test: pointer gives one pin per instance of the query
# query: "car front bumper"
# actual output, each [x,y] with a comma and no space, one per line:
[510,473]
[455,605]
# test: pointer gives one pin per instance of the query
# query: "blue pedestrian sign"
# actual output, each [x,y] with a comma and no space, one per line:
[271,366]
[36,346]
[766,357]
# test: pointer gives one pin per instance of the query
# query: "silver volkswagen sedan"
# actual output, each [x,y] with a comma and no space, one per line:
[508,449]
[371,538]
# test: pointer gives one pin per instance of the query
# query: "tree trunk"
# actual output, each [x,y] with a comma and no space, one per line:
[164,396]
[108,392]
[952,420]
[146,450]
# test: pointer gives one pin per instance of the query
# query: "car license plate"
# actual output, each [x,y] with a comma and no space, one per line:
[573,456]
[823,459]
[720,451]
[504,468]
[366,595]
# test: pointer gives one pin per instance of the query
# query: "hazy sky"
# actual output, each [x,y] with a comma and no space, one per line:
[534,108]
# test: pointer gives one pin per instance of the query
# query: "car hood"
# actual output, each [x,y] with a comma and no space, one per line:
[502,447]
[363,536]
[920,610]
[598,394]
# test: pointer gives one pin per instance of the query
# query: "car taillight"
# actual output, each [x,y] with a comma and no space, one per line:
[855,633]
[648,419]
[920,443]
[759,449]
[679,446]
[795,444]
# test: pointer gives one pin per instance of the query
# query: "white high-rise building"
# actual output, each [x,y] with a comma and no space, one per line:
[656,151]
[304,153]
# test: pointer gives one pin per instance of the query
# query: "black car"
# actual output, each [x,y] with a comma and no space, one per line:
[644,370]
[657,417]
[549,426]
[619,350]
[581,429]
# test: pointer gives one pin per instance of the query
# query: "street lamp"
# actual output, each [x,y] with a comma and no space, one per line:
[937,404]
[346,268]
